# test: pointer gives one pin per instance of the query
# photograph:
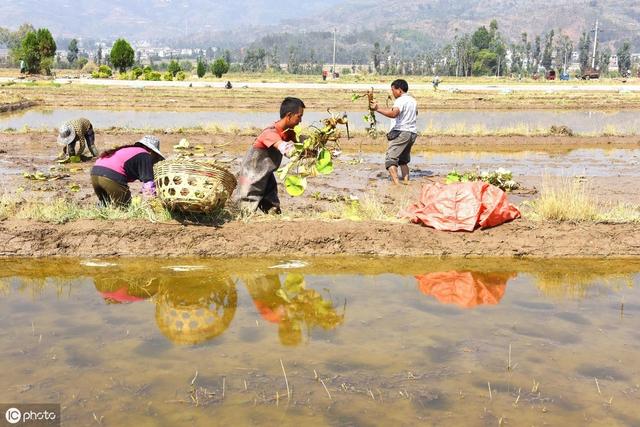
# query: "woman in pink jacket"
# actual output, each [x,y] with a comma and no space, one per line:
[115,168]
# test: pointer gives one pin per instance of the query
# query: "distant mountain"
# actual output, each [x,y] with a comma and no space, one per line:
[153,19]
[442,19]
[242,21]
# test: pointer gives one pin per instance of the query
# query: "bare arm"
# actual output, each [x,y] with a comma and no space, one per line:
[392,112]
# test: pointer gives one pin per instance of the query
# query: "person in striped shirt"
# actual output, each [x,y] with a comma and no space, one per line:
[76,131]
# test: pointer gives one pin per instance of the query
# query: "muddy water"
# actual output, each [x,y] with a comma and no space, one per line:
[462,121]
[401,342]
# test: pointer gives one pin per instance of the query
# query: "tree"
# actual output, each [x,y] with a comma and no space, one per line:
[565,50]
[548,50]
[375,56]
[46,44]
[293,65]
[485,62]
[603,61]
[201,68]
[72,51]
[99,56]
[481,39]
[29,53]
[38,50]
[122,55]
[219,67]
[584,48]
[624,58]
[253,60]
[226,55]
[174,67]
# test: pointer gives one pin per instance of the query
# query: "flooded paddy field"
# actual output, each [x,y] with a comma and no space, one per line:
[430,121]
[323,341]
[70,95]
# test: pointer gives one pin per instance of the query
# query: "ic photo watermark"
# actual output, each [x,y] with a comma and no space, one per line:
[29,414]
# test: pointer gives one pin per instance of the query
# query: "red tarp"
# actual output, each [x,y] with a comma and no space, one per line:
[461,206]
[466,289]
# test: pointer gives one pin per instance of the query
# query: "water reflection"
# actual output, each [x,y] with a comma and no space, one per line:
[116,290]
[191,310]
[292,305]
[466,289]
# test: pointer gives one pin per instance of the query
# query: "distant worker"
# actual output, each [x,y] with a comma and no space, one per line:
[23,66]
[403,130]
[228,85]
[325,73]
[257,185]
[116,168]
[435,82]
[80,131]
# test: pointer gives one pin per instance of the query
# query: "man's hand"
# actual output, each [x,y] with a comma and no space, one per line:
[285,147]
[373,106]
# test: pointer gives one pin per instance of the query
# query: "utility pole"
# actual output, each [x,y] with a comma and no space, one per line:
[595,43]
[333,70]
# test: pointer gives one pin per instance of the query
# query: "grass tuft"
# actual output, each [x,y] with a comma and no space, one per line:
[569,199]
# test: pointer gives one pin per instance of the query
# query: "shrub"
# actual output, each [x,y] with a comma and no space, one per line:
[89,67]
[219,67]
[136,72]
[168,76]
[174,68]
[181,75]
[104,69]
[152,76]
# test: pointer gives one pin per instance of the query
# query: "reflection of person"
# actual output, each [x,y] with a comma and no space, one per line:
[403,131]
[258,187]
[119,290]
[191,310]
[80,131]
[466,289]
[291,305]
[115,168]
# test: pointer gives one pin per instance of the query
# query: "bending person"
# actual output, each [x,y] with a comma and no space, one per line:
[76,131]
[115,168]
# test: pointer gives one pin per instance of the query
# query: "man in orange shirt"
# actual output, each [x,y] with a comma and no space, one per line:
[257,185]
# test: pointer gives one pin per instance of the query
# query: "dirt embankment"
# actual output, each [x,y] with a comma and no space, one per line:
[520,238]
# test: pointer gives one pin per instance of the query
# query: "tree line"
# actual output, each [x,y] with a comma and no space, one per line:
[482,52]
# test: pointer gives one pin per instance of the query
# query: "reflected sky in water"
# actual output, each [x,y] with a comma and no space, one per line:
[456,120]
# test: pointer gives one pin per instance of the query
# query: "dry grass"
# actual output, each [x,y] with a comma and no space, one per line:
[60,211]
[569,199]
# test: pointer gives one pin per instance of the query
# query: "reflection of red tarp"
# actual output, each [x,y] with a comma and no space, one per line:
[461,206]
[268,314]
[464,288]
[120,296]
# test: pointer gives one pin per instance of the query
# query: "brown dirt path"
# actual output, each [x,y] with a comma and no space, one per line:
[520,238]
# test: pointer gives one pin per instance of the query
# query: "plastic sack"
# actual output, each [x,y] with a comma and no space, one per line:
[462,206]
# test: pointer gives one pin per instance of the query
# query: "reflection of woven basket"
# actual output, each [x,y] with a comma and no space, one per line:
[191,186]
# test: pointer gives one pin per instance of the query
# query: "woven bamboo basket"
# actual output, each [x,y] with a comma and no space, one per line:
[194,187]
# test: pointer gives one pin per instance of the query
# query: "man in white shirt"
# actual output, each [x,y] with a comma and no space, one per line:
[402,132]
